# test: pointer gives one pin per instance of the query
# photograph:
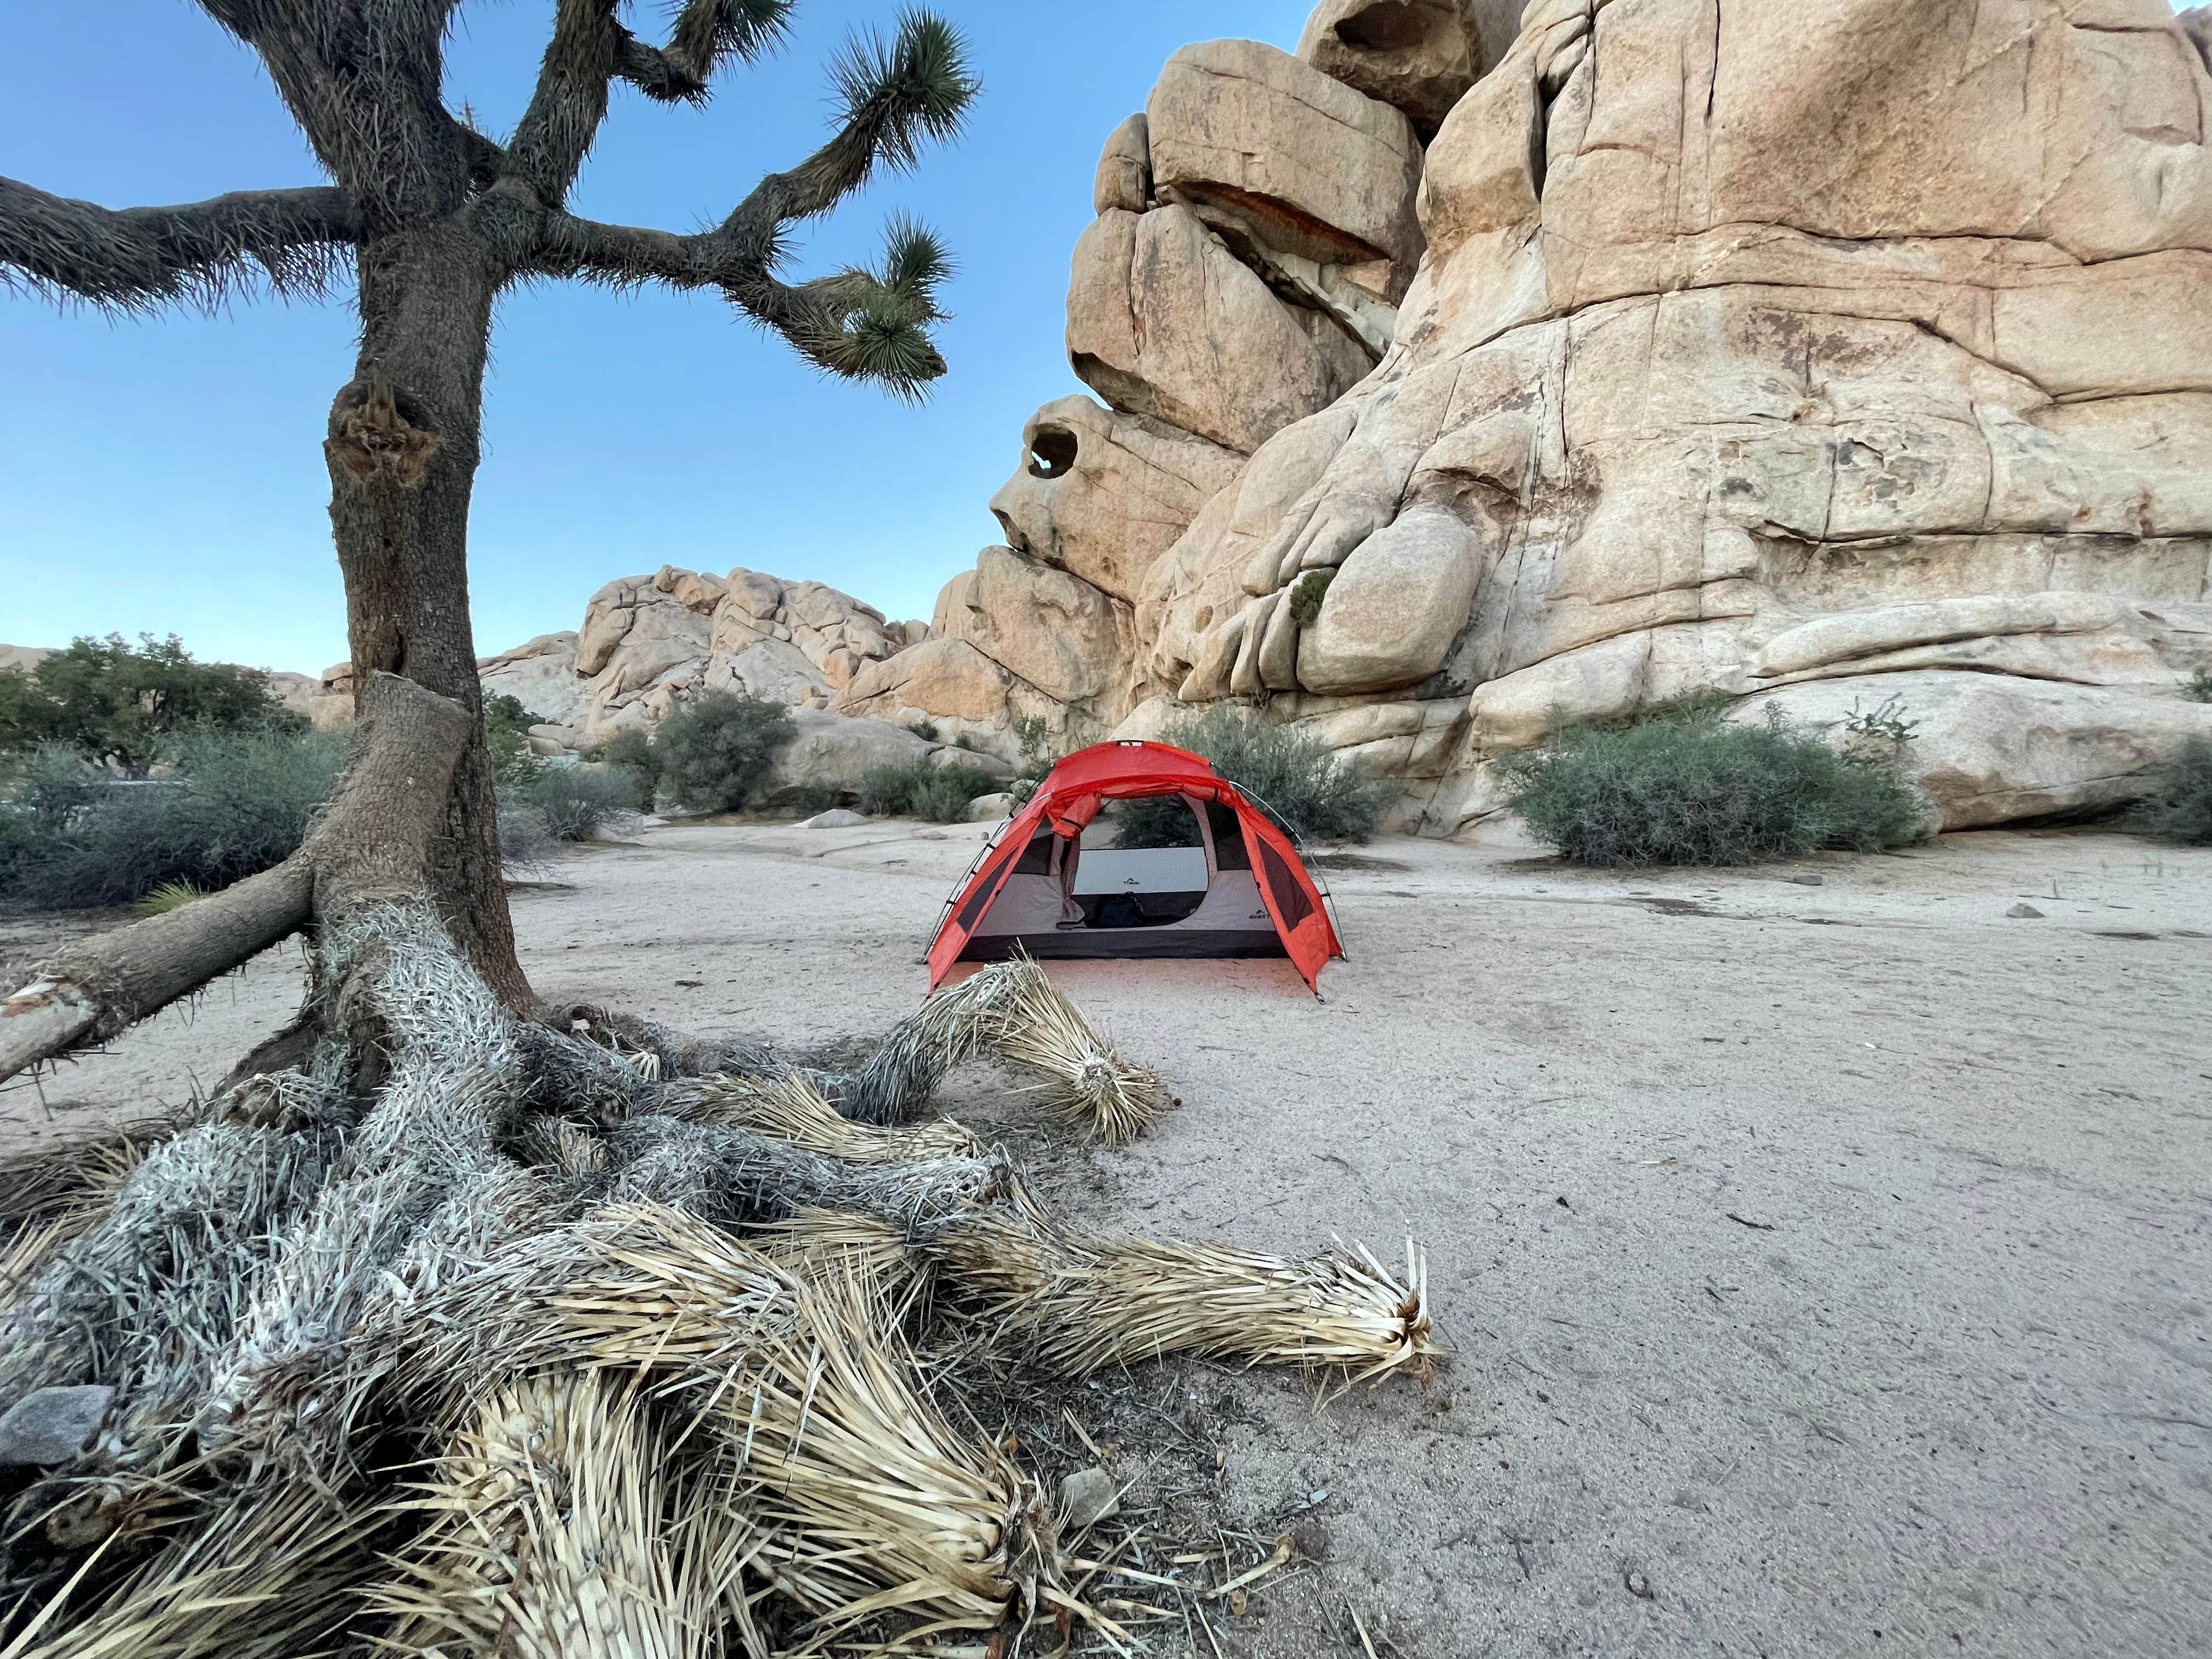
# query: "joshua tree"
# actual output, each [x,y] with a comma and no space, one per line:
[431,220]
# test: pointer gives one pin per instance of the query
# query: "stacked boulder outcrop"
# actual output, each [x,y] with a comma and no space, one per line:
[1256,229]
[1834,355]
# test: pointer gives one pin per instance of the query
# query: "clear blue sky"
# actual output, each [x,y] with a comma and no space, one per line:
[167,475]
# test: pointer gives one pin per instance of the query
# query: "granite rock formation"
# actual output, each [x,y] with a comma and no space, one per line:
[1821,354]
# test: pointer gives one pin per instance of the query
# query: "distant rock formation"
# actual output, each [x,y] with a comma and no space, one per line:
[1818,355]
[648,642]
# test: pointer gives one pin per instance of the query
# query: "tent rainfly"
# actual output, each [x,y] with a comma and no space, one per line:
[1238,889]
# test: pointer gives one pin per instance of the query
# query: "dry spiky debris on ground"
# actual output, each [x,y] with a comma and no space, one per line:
[575,1336]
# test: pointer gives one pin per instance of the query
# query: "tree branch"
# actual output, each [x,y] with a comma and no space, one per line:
[862,324]
[590,48]
[140,257]
[859,325]
[365,82]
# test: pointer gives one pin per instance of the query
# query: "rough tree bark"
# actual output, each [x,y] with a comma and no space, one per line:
[403,451]
[435,220]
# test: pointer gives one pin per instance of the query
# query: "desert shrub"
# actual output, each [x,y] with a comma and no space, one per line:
[1039,753]
[576,803]
[1882,729]
[2199,688]
[2179,807]
[41,789]
[917,789]
[630,752]
[945,797]
[926,730]
[1682,785]
[236,803]
[506,734]
[886,790]
[1290,775]
[1307,593]
[121,703]
[50,781]
[713,749]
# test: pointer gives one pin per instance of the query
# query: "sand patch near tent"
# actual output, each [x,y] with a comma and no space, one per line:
[1877,1298]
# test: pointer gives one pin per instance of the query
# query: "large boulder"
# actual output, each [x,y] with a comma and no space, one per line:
[1328,170]
[1419,56]
[835,752]
[1053,629]
[833,631]
[1103,494]
[1124,178]
[946,681]
[1163,320]
[1393,609]
[1990,749]
[952,685]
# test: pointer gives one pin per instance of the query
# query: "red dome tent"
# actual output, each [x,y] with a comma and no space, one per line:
[1240,890]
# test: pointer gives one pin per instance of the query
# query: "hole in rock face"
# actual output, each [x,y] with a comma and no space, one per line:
[1052,452]
[1387,26]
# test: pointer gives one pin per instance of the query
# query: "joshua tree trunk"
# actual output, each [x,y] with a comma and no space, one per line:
[436,219]
[403,451]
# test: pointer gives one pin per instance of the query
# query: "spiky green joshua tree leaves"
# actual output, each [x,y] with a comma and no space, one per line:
[433,220]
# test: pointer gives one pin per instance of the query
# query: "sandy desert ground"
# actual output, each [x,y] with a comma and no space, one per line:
[1827,1265]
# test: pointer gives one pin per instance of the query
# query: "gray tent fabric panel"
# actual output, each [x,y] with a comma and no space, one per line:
[1232,917]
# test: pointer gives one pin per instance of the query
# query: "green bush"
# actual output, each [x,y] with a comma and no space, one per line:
[2179,808]
[917,789]
[2199,689]
[1307,593]
[238,803]
[506,734]
[712,749]
[51,781]
[121,703]
[886,790]
[1682,785]
[574,802]
[630,751]
[1290,775]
